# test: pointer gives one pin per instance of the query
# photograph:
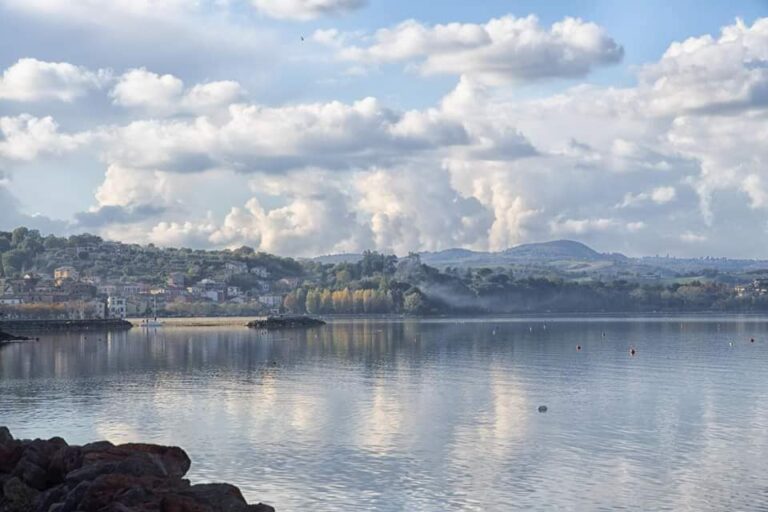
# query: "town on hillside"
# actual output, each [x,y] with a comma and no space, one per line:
[86,277]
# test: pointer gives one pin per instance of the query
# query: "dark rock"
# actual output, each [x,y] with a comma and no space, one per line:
[285,322]
[18,496]
[5,436]
[51,476]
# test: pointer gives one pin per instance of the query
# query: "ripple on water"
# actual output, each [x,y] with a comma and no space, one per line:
[379,415]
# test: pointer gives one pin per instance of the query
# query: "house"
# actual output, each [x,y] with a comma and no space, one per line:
[289,282]
[176,279]
[10,301]
[66,272]
[117,307]
[233,291]
[232,268]
[213,295]
[260,272]
[271,300]
[107,289]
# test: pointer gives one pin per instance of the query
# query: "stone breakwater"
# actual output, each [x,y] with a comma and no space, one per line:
[52,476]
[5,337]
[41,326]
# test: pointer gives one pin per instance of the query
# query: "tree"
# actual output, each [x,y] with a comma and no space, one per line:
[312,303]
[15,261]
[414,303]
[18,236]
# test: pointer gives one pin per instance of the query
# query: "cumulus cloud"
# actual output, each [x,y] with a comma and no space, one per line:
[255,138]
[166,94]
[420,208]
[35,80]
[26,137]
[710,75]
[503,50]
[304,10]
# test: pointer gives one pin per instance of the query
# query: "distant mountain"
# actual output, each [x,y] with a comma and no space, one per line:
[544,252]
[554,251]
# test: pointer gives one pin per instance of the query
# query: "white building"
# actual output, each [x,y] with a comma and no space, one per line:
[235,267]
[260,272]
[272,300]
[117,307]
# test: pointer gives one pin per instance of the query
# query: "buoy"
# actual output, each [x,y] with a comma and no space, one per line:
[632,351]
[730,343]
[542,408]
[751,340]
[578,347]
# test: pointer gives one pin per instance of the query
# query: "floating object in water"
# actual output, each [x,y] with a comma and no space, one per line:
[751,340]
[494,332]
[578,348]
[603,334]
[632,351]
[730,343]
[543,408]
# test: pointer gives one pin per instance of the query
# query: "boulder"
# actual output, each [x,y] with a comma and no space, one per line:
[51,476]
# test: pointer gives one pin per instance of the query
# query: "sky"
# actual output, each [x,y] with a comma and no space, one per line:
[309,127]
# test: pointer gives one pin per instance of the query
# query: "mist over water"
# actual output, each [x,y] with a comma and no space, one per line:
[425,415]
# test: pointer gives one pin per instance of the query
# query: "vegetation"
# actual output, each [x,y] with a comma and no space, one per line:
[373,284]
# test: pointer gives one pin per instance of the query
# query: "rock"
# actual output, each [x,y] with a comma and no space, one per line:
[18,496]
[51,476]
[5,436]
[285,322]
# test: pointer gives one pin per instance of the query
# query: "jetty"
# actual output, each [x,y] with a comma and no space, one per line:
[44,326]
[285,322]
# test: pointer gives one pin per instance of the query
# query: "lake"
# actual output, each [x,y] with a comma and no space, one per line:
[425,415]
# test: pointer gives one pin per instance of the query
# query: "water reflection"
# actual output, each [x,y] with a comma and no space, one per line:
[378,415]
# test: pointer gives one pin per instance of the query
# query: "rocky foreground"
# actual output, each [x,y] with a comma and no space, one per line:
[52,476]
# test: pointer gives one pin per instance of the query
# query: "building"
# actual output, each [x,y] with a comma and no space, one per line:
[177,279]
[260,272]
[117,307]
[271,300]
[10,301]
[289,282]
[66,272]
[233,291]
[233,268]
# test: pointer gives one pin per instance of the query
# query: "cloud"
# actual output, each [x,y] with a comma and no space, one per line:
[420,208]
[710,75]
[25,138]
[107,215]
[173,33]
[34,80]
[503,50]
[660,195]
[303,10]
[166,94]
[13,216]
[253,138]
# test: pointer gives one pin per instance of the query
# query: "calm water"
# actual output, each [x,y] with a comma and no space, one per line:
[438,415]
